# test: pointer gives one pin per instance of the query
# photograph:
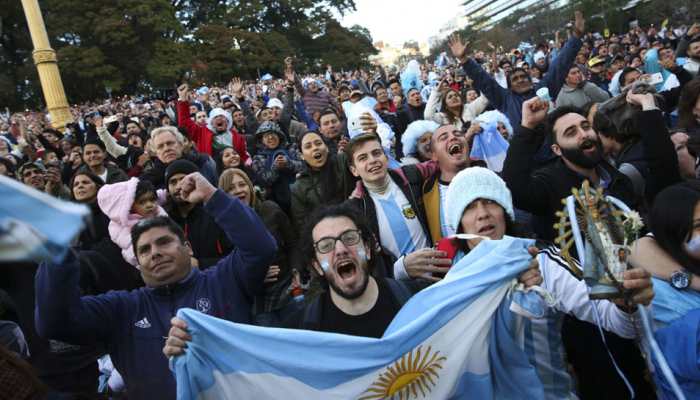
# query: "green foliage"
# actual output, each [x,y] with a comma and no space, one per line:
[133,45]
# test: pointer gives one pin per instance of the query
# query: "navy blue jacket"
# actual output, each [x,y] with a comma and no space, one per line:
[134,324]
[510,103]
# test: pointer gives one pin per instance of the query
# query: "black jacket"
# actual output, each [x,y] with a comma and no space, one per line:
[209,242]
[286,258]
[541,191]
[411,188]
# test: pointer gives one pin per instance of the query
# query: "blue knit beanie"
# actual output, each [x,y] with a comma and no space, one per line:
[475,183]
[413,132]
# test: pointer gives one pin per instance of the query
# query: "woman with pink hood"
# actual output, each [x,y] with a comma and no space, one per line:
[126,203]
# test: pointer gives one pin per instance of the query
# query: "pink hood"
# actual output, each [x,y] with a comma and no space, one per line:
[115,200]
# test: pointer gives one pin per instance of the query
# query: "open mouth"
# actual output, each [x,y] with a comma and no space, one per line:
[346,269]
[487,229]
[454,149]
[317,156]
[588,146]
[374,169]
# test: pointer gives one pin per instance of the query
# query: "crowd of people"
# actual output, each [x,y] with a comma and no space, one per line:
[325,201]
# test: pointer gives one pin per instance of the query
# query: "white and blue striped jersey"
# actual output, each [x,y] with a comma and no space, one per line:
[543,342]
[400,230]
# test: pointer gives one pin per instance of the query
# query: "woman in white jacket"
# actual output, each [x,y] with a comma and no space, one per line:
[445,106]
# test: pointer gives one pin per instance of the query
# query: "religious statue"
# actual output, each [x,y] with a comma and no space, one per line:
[601,228]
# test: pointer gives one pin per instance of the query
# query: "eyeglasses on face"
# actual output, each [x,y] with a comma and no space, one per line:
[325,245]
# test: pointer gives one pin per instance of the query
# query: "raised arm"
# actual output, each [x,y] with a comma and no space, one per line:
[476,107]
[656,142]
[62,314]
[530,191]
[572,296]
[483,81]
[246,266]
[559,68]
[113,148]
[194,131]
[431,111]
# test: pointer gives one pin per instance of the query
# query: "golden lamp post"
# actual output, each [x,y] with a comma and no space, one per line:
[47,67]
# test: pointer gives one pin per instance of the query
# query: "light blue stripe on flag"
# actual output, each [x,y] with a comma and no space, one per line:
[442,333]
[35,226]
[398,226]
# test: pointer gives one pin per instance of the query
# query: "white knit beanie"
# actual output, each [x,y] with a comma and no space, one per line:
[475,183]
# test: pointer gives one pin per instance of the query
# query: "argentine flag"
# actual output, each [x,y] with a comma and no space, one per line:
[35,226]
[454,340]
[490,147]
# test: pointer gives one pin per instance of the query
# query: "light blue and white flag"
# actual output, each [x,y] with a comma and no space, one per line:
[453,340]
[35,226]
[491,147]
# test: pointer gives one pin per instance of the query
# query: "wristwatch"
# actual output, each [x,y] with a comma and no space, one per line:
[680,279]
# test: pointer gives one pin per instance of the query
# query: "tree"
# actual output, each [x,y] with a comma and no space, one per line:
[19,82]
[131,46]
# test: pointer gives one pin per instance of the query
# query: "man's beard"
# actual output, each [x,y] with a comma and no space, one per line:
[354,294]
[577,157]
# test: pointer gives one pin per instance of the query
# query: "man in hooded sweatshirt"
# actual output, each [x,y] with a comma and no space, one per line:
[218,133]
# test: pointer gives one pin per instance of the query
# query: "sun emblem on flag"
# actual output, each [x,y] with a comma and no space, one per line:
[416,371]
[408,212]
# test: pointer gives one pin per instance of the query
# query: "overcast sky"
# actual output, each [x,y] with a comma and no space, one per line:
[397,21]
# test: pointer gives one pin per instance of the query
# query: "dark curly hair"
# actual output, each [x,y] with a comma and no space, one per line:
[335,211]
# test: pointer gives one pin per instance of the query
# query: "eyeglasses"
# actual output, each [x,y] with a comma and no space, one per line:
[350,237]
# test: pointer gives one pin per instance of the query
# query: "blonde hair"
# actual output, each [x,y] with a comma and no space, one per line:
[226,182]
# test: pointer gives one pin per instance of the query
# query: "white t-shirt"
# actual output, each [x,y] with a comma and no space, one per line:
[400,230]
[103,176]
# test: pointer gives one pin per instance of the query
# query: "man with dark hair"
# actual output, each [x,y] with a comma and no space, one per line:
[340,250]
[395,86]
[638,143]
[580,157]
[133,324]
[577,92]
[392,203]
[95,159]
[412,110]
[333,130]
[208,241]
[520,87]
[32,175]
[540,191]
[630,75]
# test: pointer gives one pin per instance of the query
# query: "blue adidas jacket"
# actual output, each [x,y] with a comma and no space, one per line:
[135,324]
[511,103]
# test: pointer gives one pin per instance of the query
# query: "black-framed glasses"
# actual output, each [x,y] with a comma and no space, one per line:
[350,237]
